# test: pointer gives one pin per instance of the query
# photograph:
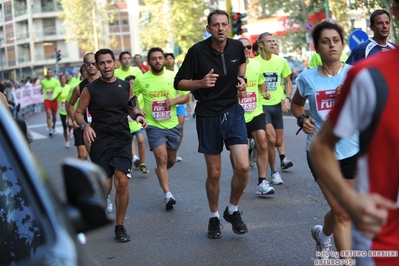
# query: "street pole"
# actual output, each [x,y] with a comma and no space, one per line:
[1,59]
[327,10]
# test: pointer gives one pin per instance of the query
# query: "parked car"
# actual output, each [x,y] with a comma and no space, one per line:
[36,227]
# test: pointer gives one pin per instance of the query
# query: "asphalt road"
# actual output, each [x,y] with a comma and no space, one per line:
[279,226]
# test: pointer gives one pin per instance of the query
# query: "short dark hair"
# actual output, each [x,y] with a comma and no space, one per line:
[130,77]
[2,88]
[81,69]
[103,52]
[152,50]
[169,54]
[123,53]
[255,46]
[84,57]
[326,25]
[378,12]
[217,12]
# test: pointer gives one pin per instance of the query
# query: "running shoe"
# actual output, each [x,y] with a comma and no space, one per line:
[109,205]
[67,144]
[214,227]
[54,131]
[324,248]
[144,169]
[121,234]
[264,188]
[50,132]
[136,161]
[178,158]
[237,224]
[285,164]
[129,173]
[169,202]
[276,178]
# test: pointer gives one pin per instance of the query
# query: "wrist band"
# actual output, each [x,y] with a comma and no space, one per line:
[137,115]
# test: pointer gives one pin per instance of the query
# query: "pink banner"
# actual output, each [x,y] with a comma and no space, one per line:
[29,95]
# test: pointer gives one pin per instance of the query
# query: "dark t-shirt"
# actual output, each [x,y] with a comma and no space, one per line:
[83,85]
[200,59]
[109,110]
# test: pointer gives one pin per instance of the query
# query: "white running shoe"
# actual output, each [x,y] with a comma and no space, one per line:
[109,206]
[178,158]
[286,163]
[82,238]
[264,188]
[169,201]
[54,132]
[324,248]
[67,144]
[276,179]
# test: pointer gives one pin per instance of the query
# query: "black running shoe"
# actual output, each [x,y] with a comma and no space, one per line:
[120,234]
[214,228]
[237,223]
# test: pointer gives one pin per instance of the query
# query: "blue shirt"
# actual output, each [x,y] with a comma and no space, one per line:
[319,90]
[367,48]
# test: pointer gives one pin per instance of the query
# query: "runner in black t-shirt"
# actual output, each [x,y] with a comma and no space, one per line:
[107,99]
[211,70]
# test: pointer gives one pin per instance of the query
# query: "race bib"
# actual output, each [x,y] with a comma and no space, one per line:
[63,106]
[325,101]
[271,79]
[49,95]
[88,115]
[249,102]
[160,111]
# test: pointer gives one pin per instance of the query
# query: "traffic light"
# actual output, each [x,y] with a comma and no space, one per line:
[237,23]
[58,55]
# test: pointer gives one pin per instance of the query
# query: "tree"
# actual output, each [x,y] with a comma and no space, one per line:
[88,22]
[181,22]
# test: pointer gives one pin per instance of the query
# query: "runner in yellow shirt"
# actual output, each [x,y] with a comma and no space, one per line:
[255,118]
[274,68]
[48,86]
[62,93]
[163,131]
[126,69]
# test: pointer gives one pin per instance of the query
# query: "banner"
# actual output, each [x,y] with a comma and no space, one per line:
[29,96]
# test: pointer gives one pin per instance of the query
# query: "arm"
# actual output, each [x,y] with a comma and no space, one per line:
[134,110]
[286,101]
[263,90]
[297,108]
[88,133]
[208,81]
[179,100]
[71,107]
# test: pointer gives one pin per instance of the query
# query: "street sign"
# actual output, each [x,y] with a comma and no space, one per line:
[357,37]
[308,26]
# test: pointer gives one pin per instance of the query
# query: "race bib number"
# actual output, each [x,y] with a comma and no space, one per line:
[88,115]
[63,106]
[49,95]
[325,101]
[271,79]
[160,111]
[250,102]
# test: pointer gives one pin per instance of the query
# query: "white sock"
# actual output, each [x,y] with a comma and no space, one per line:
[135,157]
[214,214]
[232,208]
[323,238]
[168,194]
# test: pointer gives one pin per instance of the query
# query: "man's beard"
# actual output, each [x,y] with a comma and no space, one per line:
[155,70]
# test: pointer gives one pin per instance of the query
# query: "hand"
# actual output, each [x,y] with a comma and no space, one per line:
[169,102]
[242,94]
[88,134]
[142,121]
[266,95]
[285,105]
[308,125]
[209,80]
[369,213]
[242,88]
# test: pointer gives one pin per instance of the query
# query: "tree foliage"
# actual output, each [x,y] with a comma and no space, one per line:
[87,23]
[182,21]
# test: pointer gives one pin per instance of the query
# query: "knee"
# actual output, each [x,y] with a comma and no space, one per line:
[261,147]
[341,217]
[242,170]
[214,174]
[278,143]
[122,183]
[171,163]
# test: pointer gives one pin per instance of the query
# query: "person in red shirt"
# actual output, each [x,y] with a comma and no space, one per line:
[139,63]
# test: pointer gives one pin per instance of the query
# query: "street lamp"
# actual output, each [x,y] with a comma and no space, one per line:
[327,10]
[1,59]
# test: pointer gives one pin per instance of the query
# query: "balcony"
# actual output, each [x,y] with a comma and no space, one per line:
[49,34]
[25,59]
[46,9]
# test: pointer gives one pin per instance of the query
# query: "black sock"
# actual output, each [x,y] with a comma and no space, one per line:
[260,180]
[282,156]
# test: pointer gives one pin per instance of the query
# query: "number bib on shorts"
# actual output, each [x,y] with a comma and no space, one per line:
[160,111]
[250,101]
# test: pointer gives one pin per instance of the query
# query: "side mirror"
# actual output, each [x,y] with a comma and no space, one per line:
[85,185]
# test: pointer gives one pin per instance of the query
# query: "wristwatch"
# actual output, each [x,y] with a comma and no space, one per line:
[83,126]
[289,98]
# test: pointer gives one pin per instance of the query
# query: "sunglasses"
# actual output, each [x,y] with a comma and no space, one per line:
[248,47]
[88,63]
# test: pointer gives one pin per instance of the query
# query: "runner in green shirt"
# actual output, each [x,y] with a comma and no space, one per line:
[48,86]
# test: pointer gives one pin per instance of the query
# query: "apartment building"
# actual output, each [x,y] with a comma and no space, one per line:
[31,32]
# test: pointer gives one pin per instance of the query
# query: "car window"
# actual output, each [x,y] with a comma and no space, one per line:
[21,234]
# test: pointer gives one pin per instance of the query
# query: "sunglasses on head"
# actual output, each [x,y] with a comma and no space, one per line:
[88,63]
[247,47]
